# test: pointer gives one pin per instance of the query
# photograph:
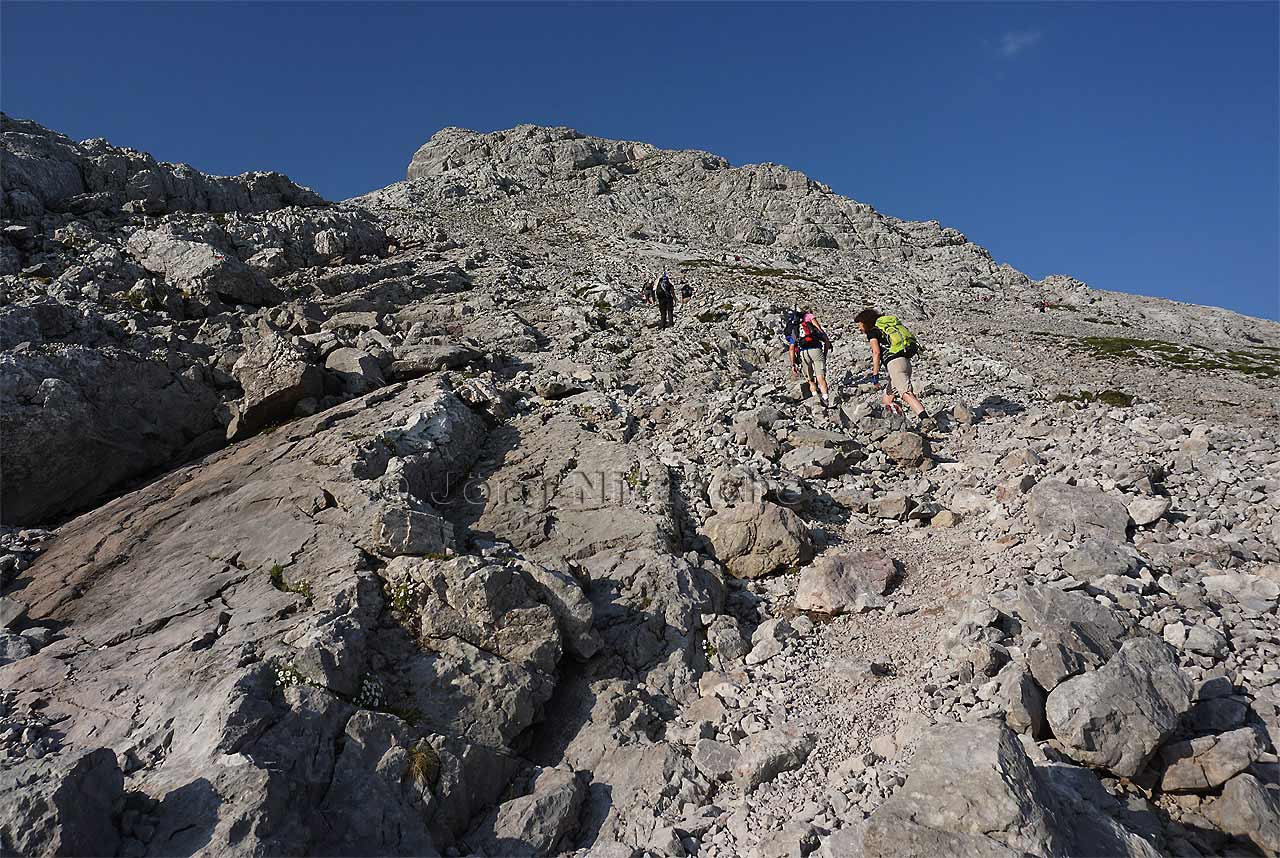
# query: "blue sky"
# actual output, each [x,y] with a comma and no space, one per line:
[1133,146]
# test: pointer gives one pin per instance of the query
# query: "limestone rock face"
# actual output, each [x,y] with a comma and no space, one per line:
[79,418]
[46,171]
[646,186]
[572,493]
[404,528]
[246,573]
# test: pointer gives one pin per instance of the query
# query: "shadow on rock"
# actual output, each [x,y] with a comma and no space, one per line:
[185,818]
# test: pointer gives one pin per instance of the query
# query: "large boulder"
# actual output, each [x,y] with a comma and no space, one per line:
[813,463]
[1250,810]
[1116,717]
[356,370]
[425,358]
[532,824]
[716,760]
[61,807]
[1252,591]
[275,375]
[765,755]
[200,269]
[757,539]
[1148,510]
[1069,632]
[1021,699]
[972,791]
[1076,512]
[1096,558]
[908,449]
[834,584]
[1207,762]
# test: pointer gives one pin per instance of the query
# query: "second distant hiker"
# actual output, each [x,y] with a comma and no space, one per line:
[664,294]
[893,347]
[807,346]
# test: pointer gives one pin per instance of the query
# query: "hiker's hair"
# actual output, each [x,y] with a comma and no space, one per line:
[867,317]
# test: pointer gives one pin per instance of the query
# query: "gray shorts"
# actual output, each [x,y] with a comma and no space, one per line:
[899,368]
[814,362]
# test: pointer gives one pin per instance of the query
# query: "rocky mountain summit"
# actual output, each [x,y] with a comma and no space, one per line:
[398,526]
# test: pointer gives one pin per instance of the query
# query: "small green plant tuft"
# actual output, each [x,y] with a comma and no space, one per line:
[424,764]
[633,477]
[1114,398]
[405,596]
[302,588]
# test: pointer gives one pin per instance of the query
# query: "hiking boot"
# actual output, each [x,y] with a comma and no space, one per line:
[928,423]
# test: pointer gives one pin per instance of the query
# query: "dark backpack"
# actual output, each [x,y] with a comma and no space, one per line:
[791,326]
[665,292]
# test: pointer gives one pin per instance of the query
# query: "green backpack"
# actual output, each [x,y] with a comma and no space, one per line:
[901,340]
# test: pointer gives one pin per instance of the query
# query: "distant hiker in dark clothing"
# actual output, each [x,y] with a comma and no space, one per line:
[664,294]
[892,346]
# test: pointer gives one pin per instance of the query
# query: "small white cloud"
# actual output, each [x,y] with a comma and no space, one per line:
[1017,41]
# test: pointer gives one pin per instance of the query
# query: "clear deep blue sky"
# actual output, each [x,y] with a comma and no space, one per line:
[1133,146]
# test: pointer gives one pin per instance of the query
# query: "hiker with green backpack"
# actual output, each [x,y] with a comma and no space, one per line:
[893,347]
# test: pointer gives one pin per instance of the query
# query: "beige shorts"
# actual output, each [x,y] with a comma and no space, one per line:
[814,362]
[899,374]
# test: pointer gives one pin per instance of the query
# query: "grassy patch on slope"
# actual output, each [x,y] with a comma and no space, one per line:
[1255,361]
